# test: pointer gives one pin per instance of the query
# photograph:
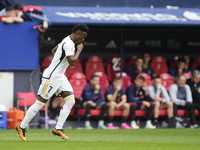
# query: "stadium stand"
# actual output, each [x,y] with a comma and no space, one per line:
[132,60]
[46,61]
[187,75]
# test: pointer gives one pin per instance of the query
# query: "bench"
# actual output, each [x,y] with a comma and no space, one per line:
[138,113]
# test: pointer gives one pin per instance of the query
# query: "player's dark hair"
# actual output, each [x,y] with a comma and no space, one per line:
[9,8]
[118,78]
[182,60]
[19,7]
[141,78]
[157,77]
[93,76]
[139,57]
[82,27]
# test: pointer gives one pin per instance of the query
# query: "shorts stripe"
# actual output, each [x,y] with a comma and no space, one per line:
[45,86]
[40,103]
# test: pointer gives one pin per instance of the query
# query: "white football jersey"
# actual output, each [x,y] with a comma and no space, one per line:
[59,62]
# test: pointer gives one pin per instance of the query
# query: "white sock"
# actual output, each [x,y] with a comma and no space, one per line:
[148,121]
[32,111]
[100,123]
[87,123]
[133,122]
[64,113]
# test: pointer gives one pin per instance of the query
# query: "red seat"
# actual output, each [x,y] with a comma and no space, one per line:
[92,67]
[159,67]
[126,79]
[158,59]
[76,68]
[167,80]
[187,75]
[95,58]
[47,61]
[132,60]
[174,61]
[181,112]
[147,78]
[27,99]
[78,82]
[196,63]
[113,66]
[103,81]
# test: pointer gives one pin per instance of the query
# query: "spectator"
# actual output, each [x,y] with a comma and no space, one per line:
[195,88]
[181,96]
[138,93]
[10,16]
[92,98]
[179,69]
[116,98]
[161,100]
[187,67]
[134,70]
[146,67]
[19,10]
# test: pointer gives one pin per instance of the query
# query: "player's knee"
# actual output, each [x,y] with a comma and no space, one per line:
[127,106]
[170,104]
[112,105]
[156,104]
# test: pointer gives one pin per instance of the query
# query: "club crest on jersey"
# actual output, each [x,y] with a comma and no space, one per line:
[46,94]
[140,93]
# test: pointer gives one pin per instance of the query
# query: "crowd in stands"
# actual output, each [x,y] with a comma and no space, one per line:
[145,85]
[12,14]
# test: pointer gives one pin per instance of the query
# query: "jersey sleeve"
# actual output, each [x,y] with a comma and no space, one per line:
[68,48]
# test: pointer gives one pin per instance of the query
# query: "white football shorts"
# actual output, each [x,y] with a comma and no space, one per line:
[48,87]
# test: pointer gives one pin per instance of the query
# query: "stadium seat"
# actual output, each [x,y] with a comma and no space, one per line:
[132,60]
[92,67]
[25,100]
[167,80]
[46,61]
[196,63]
[187,75]
[95,58]
[126,79]
[76,68]
[159,67]
[113,66]
[103,81]
[158,59]
[78,82]
[147,78]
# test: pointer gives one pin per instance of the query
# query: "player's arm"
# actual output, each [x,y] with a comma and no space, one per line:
[123,101]
[73,59]
[111,97]
[53,51]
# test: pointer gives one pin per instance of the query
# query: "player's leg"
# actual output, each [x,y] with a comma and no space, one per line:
[46,90]
[66,92]
[103,107]
[111,108]
[125,113]
[190,109]
[133,107]
[169,106]
[156,113]
[148,115]
[87,107]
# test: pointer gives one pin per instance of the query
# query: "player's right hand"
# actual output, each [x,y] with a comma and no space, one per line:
[80,46]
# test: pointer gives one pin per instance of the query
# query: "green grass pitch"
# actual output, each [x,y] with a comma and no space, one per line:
[96,139]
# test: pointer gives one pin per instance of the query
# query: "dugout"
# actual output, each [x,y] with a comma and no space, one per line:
[113,31]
